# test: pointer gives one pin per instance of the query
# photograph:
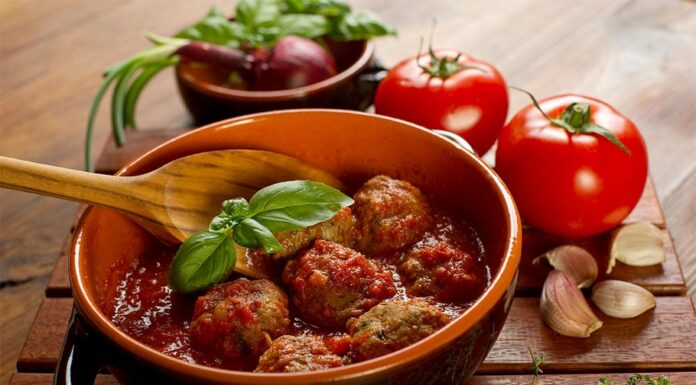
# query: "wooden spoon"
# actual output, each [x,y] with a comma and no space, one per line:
[175,200]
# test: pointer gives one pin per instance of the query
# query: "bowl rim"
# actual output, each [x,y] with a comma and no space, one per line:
[502,284]
[187,79]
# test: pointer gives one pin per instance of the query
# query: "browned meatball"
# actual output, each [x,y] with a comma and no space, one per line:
[442,270]
[339,229]
[331,283]
[391,213]
[240,318]
[291,354]
[391,326]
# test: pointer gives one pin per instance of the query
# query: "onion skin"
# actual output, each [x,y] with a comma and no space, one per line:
[294,62]
[219,56]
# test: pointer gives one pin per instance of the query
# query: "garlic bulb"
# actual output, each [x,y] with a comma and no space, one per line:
[621,299]
[575,262]
[564,308]
[637,244]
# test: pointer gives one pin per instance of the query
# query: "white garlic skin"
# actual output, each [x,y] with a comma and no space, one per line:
[637,244]
[564,308]
[621,299]
[577,263]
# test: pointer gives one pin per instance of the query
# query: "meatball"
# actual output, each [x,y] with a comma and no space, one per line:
[332,283]
[391,326]
[240,318]
[339,229]
[391,214]
[442,270]
[290,354]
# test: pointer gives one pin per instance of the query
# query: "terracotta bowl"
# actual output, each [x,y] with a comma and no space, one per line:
[354,147]
[352,88]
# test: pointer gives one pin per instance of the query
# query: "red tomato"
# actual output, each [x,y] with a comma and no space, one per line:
[572,184]
[465,96]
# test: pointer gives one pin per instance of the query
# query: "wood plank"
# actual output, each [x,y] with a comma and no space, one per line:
[47,379]
[138,142]
[619,345]
[678,378]
[680,205]
[42,347]
[648,208]
[660,339]
[59,281]
[663,279]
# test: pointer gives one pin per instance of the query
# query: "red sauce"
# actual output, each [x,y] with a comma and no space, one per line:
[146,309]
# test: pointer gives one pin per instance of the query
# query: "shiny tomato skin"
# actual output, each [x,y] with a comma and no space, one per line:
[471,103]
[573,185]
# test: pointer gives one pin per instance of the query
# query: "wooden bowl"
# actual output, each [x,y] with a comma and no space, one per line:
[352,88]
[353,146]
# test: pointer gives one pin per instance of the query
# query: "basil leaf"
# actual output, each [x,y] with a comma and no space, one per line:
[296,204]
[360,25]
[205,258]
[236,207]
[215,28]
[307,26]
[329,8]
[257,13]
[251,234]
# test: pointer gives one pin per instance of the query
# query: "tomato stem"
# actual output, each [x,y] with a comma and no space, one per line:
[441,67]
[576,120]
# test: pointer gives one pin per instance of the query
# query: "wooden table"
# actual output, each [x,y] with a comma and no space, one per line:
[637,55]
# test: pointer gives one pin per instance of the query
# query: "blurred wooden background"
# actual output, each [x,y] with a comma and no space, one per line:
[637,55]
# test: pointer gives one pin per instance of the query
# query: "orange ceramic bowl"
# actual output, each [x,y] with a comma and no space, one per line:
[352,88]
[354,147]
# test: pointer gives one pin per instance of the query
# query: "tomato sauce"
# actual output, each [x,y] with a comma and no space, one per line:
[148,310]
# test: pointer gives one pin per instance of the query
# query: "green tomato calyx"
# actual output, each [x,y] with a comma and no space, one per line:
[577,119]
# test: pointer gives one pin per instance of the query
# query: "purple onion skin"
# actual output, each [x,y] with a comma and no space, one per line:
[294,62]
[222,58]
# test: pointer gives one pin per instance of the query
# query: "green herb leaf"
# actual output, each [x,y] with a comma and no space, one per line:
[256,14]
[233,211]
[215,28]
[296,204]
[251,234]
[604,381]
[307,26]
[330,8]
[360,25]
[204,258]
[536,364]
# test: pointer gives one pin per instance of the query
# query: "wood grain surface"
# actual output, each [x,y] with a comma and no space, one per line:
[583,379]
[637,55]
[618,346]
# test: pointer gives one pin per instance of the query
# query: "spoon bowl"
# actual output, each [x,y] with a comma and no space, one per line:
[175,200]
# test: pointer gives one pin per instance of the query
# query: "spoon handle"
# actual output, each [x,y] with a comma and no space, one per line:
[79,186]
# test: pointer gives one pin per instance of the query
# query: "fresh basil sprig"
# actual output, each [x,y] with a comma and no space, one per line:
[207,257]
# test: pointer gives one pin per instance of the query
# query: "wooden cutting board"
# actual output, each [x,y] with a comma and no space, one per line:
[661,341]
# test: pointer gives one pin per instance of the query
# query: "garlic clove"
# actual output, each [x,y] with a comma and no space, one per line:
[575,262]
[564,308]
[621,299]
[637,244]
